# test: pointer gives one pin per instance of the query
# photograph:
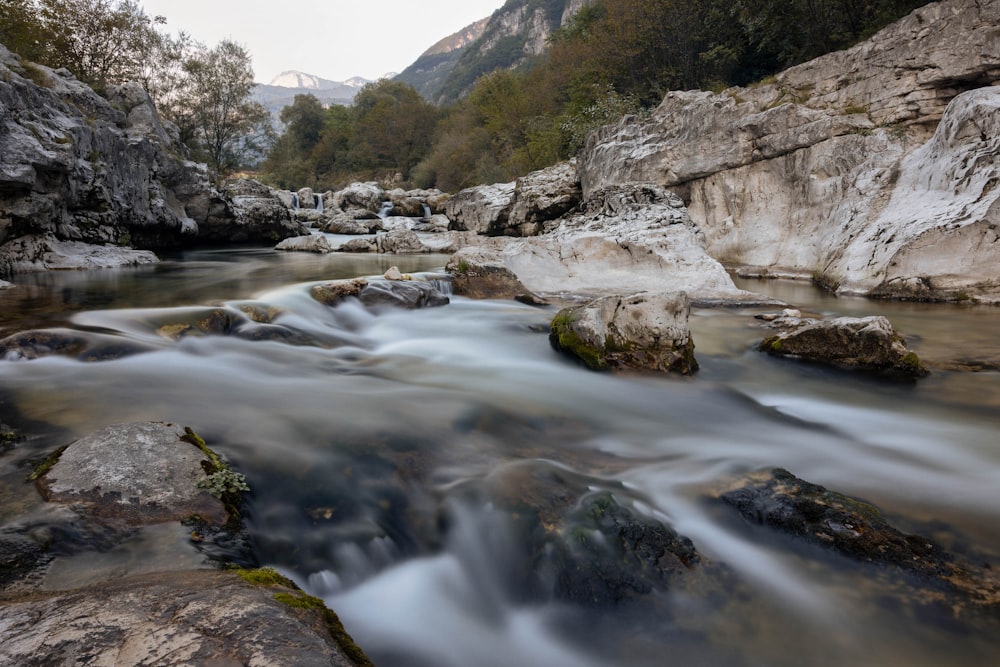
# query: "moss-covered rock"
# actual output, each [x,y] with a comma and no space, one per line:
[646,331]
[866,343]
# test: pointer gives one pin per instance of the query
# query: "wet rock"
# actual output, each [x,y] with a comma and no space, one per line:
[137,474]
[366,196]
[313,243]
[409,294]
[173,619]
[84,346]
[855,529]
[334,292]
[582,545]
[867,343]
[46,252]
[646,331]
[479,273]
[19,557]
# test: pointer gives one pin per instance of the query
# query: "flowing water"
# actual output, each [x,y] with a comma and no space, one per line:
[385,458]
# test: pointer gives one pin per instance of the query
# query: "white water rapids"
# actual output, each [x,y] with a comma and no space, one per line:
[369,455]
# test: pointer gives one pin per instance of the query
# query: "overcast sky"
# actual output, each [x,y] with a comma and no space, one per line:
[335,39]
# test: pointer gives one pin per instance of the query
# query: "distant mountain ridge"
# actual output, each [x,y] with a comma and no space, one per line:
[294,79]
[515,33]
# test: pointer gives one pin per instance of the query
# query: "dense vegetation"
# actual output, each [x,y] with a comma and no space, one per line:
[613,58]
[206,92]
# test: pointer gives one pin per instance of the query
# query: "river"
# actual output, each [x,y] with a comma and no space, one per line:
[380,460]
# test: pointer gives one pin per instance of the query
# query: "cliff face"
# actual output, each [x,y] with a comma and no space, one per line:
[516,32]
[873,169]
[428,74]
[81,169]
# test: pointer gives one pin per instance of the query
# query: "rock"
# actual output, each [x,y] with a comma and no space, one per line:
[172,619]
[312,243]
[409,294]
[853,528]
[395,242]
[543,196]
[483,209]
[583,544]
[646,331]
[307,200]
[84,346]
[622,240]
[334,292]
[19,557]
[393,273]
[350,223]
[867,343]
[138,474]
[46,252]
[367,196]
[478,273]
[258,216]
[827,172]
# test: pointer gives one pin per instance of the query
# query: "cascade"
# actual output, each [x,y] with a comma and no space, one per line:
[384,211]
[319,202]
[295,201]
[427,212]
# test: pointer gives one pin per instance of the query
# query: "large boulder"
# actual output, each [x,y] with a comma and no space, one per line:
[315,243]
[483,209]
[354,223]
[640,332]
[258,216]
[830,171]
[621,240]
[398,241]
[365,196]
[543,196]
[866,343]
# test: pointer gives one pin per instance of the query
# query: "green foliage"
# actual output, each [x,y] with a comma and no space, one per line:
[224,482]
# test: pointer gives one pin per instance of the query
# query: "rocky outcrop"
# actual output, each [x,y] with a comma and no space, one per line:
[520,208]
[76,167]
[26,254]
[622,239]
[834,170]
[396,242]
[866,343]
[401,293]
[639,332]
[257,216]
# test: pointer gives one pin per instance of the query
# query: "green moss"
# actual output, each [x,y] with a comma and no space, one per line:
[772,345]
[912,361]
[564,338]
[463,266]
[42,468]
[225,484]
[347,644]
[265,576]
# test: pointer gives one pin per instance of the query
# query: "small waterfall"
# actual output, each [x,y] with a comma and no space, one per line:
[427,212]
[295,201]
[319,202]
[384,211]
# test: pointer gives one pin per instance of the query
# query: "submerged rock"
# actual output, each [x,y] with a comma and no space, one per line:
[867,343]
[84,346]
[409,294]
[646,331]
[855,529]
[479,273]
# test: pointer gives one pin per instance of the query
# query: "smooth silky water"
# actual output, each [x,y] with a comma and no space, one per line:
[367,456]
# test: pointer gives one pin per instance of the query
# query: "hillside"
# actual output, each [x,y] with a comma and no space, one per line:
[430,71]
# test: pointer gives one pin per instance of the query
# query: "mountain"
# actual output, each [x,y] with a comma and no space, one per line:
[282,89]
[513,35]
[429,72]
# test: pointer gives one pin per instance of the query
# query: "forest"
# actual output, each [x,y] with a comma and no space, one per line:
[614,57]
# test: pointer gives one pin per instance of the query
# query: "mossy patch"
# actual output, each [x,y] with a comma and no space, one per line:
[564,338]
[771,345]
[225,484]
[45,466]
[295,598]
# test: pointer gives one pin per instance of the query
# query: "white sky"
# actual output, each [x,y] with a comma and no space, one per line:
[332,39]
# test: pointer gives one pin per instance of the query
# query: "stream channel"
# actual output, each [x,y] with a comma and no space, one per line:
[393,465]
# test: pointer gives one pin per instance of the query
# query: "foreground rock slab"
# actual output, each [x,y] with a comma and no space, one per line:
[181,618]
[639,332]
[866,343]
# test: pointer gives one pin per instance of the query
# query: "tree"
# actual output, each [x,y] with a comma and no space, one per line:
[393,126]
[214,110]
